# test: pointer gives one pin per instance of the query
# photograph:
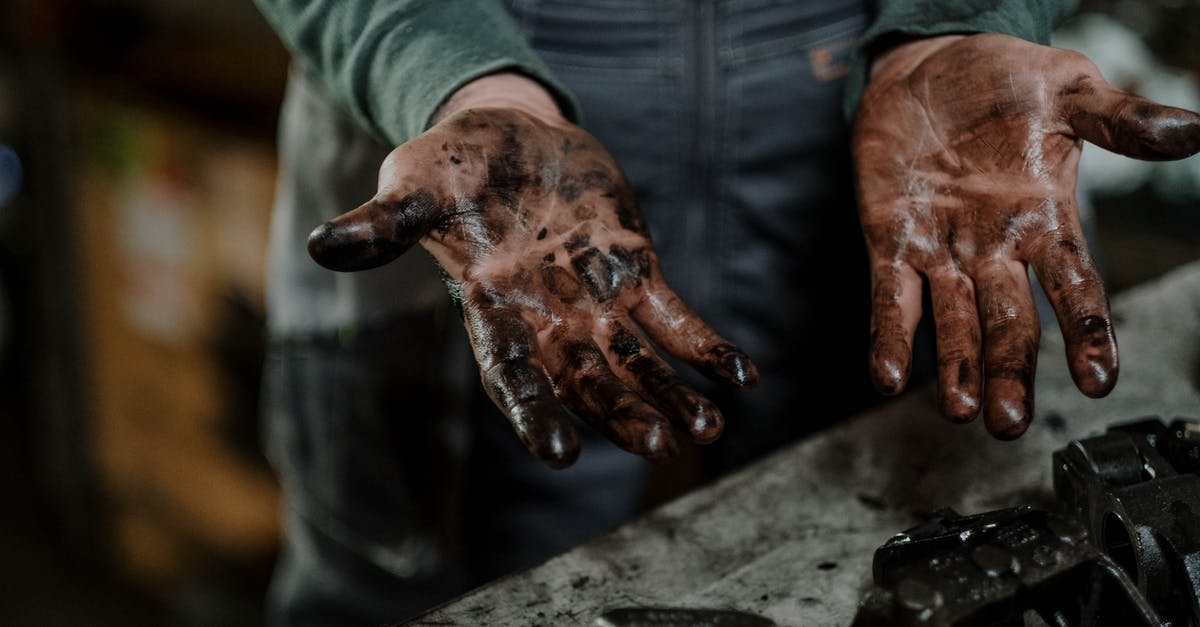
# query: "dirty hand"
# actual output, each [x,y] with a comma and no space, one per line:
[967,149]
[544,248]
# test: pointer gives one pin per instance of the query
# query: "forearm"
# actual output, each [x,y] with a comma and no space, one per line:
[391,65]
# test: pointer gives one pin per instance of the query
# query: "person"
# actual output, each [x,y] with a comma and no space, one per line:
[587,288]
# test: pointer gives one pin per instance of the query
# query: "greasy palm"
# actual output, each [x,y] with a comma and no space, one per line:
[548,255]
[967,149]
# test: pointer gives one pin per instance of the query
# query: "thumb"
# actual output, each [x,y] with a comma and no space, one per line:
[1127,124]
[375,233]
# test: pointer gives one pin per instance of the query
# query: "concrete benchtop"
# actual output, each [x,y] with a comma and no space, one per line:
[792,536]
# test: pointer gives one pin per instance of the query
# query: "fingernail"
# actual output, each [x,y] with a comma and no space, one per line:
[740,369]
[959,406]
[889,377]
[1101,378]
[1007,419]
[318,240]
[658,444]
[560,448]
[1176,135]
[707,423]
[331,248]
[1095,371]
[351,246]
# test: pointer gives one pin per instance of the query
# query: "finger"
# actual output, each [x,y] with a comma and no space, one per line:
[375,233]
[958,344]
[663,387]
[516,382]
[672,325]
[1010,340]
[895,311]
[1069,277]
[599,397]
[1126,124]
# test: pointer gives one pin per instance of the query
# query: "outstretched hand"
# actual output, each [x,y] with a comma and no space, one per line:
[548,255]
[967,149]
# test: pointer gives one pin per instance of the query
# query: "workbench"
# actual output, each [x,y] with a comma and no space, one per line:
[791,537]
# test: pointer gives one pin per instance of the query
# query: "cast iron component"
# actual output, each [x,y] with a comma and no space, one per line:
[1137,491]
[992,568]
[1125,550]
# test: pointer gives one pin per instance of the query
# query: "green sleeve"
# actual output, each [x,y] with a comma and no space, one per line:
[391,63]
[1032,20]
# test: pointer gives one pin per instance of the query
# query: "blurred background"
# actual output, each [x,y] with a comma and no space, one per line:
[136,177]
[136,181]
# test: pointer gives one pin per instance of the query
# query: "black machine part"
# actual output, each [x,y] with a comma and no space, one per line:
[993,568]
[1136,490]
[1124,551]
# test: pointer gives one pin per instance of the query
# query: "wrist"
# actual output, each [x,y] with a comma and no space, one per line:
[904,57]
[505,90]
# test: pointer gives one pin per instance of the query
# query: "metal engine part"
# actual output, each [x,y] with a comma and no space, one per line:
[1125,550]
[1137,491]
[990,569]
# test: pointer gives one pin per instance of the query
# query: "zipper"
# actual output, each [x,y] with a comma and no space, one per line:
[702,179]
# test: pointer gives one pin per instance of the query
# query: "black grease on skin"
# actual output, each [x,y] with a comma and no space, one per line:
[624,343]
[1094,331]
[382,233]
[571,187]
[958,401]
[577,241]
[665,388]
[562,283]
[889,341]
[516,383]
[1137,128]
[1142,134]
[507,173]
[507,306]
[606,275]
[612,408]
[1095,353]
[726,362]
[966,372]
[1022,374]
[983,144]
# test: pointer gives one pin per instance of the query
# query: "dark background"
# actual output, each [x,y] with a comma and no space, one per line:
[131,250]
